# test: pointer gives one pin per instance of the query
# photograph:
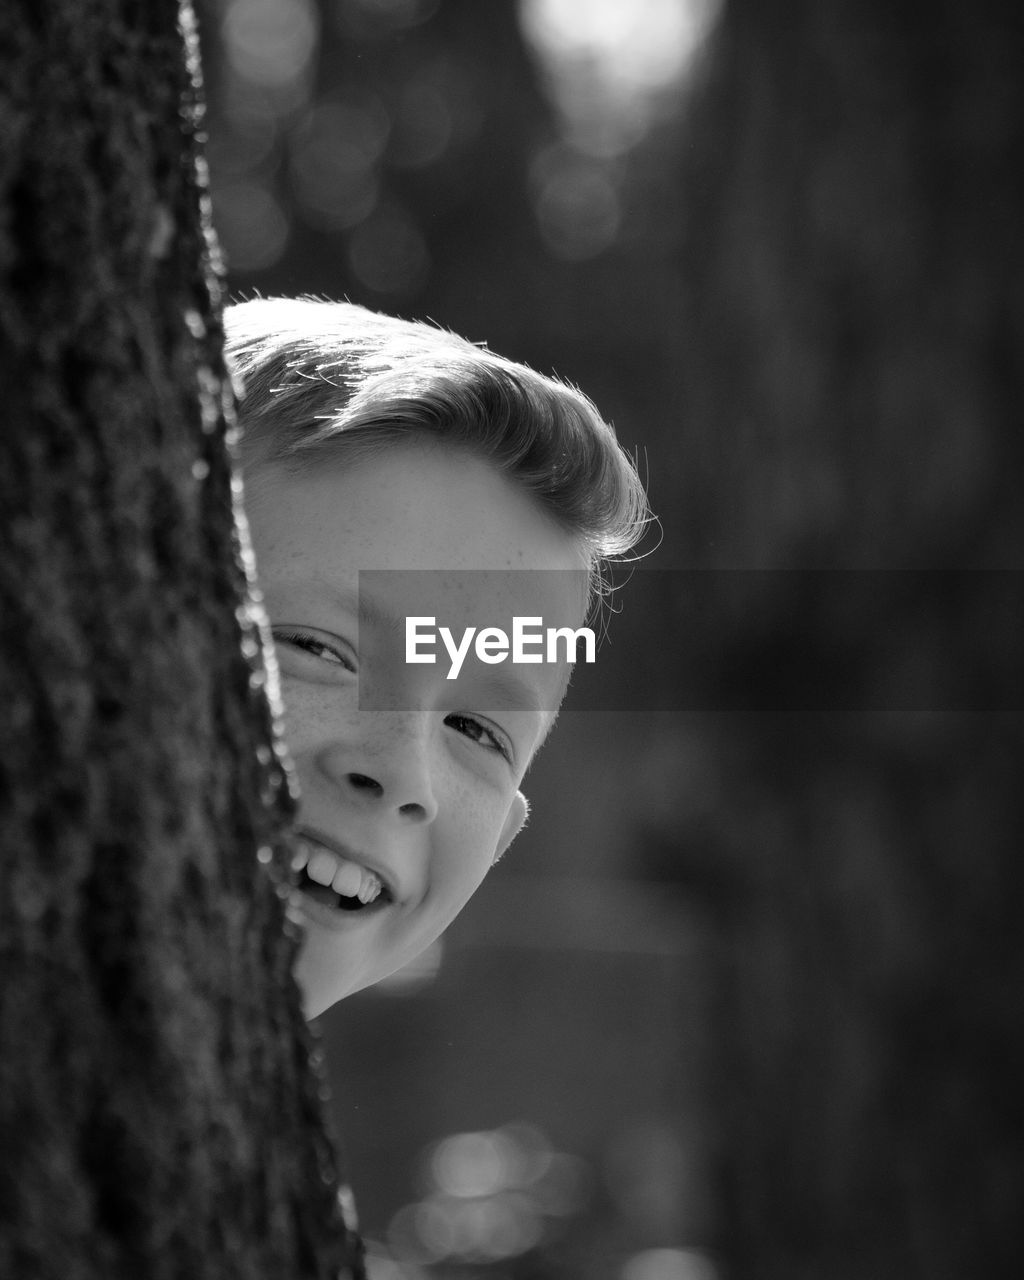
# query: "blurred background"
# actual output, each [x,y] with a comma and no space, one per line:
[742,999]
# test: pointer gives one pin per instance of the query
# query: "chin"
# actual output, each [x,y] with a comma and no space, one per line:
[321,989]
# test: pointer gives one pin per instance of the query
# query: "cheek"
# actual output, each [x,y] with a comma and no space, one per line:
[466,844]
[311,716]
[456,885]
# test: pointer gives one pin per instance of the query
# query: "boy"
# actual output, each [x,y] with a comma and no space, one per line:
[394,471]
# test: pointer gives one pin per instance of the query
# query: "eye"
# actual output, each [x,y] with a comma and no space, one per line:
[491,739]
[316,647]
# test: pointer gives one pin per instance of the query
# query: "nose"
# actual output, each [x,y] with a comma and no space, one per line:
[386,767]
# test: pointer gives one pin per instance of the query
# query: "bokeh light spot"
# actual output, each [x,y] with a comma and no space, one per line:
[434,1229]
[379,1266]
[529,1151]
[402,1235]
[270,42]
[252,226]
[400,11]
[474,1164]
[670,1264]
[577,206]
[642,43]
[385,14]
[607,62]
[246,139]
[424,126]
[334,154]
[388,253]
[565,1186]
[504,1227]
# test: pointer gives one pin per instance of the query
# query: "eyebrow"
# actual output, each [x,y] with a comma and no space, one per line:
[365,607]
[512,691]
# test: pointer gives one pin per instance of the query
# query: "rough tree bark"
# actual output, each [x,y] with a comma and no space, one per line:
[160,1108]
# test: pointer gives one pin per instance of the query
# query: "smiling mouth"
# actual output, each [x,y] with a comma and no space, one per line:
[335,881]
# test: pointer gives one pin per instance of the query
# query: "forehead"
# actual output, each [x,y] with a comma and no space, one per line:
[411,506]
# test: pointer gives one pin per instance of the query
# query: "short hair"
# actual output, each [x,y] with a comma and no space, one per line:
[320,376]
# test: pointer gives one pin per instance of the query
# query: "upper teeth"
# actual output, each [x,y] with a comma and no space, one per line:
[328,868]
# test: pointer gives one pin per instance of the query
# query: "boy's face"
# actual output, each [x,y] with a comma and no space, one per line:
[406,806]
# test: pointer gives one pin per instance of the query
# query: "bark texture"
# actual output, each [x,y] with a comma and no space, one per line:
[160,1097]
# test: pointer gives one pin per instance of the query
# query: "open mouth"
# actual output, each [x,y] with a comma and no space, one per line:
[334,881]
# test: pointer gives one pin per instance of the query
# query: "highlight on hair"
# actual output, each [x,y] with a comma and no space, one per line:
[323,376]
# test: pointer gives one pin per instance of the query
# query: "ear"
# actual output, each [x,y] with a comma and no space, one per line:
[515,820]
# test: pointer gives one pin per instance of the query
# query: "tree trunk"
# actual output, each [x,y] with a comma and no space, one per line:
[160,1110]
[854,320]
